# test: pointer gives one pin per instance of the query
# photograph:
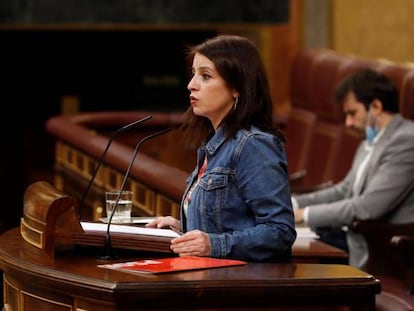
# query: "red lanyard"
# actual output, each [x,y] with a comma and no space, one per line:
[202,169]
[200,173]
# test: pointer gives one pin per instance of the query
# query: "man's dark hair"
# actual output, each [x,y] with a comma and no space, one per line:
[368,85]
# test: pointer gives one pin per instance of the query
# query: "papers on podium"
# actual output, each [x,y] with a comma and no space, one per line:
[101,227]
[174,264]
[125,237]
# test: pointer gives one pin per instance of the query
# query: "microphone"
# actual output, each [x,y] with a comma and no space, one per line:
[98,165]
[108,254]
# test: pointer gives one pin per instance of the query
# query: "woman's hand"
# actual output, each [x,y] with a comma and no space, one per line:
[192,243]
[164,222]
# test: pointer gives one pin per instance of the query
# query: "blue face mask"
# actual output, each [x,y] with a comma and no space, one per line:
[371,131]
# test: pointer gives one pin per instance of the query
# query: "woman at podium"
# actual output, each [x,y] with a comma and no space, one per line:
[237,200]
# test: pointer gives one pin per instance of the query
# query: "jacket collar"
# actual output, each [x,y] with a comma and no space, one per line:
[215,141]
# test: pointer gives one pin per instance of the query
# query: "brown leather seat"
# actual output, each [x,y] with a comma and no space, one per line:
[407,96]
[391,260]
[299,132]
[391,299]
[329,70]
[349,145]
[301,75]
[358,63]
[396,73]
[322,157]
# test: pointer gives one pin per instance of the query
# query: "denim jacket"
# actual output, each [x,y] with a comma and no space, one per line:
[243,198]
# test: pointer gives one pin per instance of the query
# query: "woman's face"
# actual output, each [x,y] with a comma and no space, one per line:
[210,96]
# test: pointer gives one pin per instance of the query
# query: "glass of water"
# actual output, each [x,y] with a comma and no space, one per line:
[122,209]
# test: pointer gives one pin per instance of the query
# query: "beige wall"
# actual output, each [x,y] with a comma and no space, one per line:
[367,28]
[374,28]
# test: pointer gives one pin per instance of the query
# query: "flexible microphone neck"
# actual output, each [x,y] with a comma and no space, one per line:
[108,254]
[98,165]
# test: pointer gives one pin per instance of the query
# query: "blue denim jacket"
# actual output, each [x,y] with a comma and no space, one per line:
[243,199]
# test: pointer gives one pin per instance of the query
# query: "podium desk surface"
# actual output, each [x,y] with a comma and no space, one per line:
[72,279]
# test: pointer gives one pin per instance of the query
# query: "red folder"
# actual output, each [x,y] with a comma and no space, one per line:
[164,265]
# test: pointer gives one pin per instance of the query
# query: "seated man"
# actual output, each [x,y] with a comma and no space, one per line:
[380,183]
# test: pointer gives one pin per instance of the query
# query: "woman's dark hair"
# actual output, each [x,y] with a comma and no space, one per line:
[368,85]
[238,62]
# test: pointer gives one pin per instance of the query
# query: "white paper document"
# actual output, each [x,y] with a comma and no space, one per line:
[129,221]
[306,232]
[94,226]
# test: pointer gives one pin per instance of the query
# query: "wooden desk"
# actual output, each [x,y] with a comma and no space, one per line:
[308,250]
[72,281]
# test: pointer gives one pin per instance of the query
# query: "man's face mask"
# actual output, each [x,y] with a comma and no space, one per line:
[371,131]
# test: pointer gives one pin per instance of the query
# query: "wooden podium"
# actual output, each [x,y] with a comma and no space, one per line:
[50,223]
[49,217]
[38,277]
[72,280]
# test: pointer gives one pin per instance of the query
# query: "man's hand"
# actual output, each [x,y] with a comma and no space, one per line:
[298,212]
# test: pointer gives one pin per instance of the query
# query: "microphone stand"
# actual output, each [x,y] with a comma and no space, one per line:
[98,165]
[107,248]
